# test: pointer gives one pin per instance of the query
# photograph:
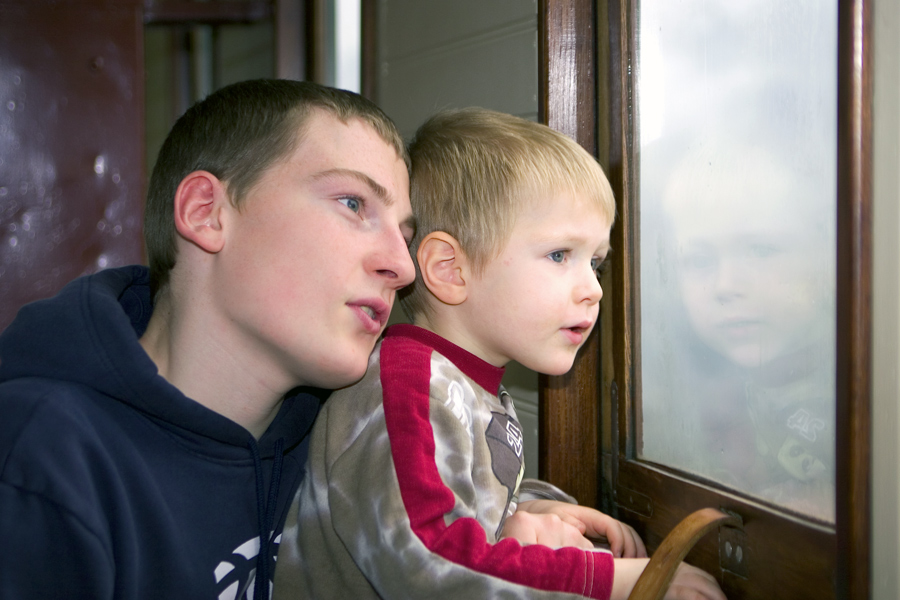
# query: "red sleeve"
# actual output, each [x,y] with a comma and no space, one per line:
[405,373]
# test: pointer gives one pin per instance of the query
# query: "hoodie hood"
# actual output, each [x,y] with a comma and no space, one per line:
[88,334]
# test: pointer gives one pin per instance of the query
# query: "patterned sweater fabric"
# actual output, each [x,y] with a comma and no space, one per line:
[411,475]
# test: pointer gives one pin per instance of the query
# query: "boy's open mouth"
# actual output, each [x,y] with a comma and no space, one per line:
[373,312]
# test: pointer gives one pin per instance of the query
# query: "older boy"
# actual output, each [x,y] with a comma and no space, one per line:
[151,451]
[415,472]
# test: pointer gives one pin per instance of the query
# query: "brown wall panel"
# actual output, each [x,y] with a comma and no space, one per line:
[71,150]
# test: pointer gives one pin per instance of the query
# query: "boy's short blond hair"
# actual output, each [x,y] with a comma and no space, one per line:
[474,169]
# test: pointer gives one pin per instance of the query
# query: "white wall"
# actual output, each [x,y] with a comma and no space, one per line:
[435,54]
[886,303]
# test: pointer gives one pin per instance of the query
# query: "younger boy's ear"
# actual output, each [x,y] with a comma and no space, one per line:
[199,201]
[444,267]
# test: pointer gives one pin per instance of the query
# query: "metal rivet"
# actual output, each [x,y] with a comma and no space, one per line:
[728,549]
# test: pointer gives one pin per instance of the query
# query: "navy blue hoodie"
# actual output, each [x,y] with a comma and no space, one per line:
[113,484]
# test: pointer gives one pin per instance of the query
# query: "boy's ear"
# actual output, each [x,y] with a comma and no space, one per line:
[199,201]
[444,267]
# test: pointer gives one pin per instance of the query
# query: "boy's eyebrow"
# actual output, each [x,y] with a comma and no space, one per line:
[376,187]
[563,237]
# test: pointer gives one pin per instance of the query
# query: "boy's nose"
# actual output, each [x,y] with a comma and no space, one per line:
[591,291]
[394,261]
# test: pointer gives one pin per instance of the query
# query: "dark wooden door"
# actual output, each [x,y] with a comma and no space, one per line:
[72,121]
[592,420]
[71,143]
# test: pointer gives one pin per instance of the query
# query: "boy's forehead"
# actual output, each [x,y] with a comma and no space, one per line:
[354,144]
[563,216]
[309,128]
[319,119]
[560,201]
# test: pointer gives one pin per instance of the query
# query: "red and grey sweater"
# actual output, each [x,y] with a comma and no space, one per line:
[411,475]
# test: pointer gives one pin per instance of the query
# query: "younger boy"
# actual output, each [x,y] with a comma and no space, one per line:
[151,450]
[414,471]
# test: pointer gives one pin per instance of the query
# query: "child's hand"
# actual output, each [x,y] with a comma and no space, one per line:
[689,583]
[545,529]
[624,542]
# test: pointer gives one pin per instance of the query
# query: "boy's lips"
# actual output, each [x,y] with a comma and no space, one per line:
[577,333]
[372,312]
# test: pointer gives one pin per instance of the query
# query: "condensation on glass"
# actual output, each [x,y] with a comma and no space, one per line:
[737,136]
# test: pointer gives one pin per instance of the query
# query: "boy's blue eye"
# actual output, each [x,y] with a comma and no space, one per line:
[352,203]
[557,256]
[599,265]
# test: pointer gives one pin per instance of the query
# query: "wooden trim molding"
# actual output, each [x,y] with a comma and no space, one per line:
[368,72]
[854,285]
[212,12]
[290,39]
[568,443]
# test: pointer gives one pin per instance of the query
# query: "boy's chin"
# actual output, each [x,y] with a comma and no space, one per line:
[554,368]
[557,372]
[337,379]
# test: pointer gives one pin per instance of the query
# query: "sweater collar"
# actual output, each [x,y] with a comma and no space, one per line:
[482,372]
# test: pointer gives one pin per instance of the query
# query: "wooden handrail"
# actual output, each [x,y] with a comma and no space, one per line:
[657,576]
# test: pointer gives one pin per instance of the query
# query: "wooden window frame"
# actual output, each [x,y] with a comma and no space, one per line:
[588,416]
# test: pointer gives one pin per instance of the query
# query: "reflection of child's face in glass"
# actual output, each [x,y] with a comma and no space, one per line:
[750,274]
[749,296]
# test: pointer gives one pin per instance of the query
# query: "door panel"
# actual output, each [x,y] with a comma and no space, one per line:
[786,387]
[72,124]
[733,199]
[775,555]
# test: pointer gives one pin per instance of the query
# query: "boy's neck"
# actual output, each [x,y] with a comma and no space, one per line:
[194,357]
[446,326]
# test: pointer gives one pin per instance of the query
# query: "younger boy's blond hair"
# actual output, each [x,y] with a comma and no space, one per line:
[473,170]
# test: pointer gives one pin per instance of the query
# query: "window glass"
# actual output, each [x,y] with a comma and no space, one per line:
[347,44]
[737,136]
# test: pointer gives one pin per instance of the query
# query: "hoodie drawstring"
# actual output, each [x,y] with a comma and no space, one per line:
[265,514]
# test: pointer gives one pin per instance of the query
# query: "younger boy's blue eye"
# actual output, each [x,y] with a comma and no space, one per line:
[352,203]
[599,265]
[557,256]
